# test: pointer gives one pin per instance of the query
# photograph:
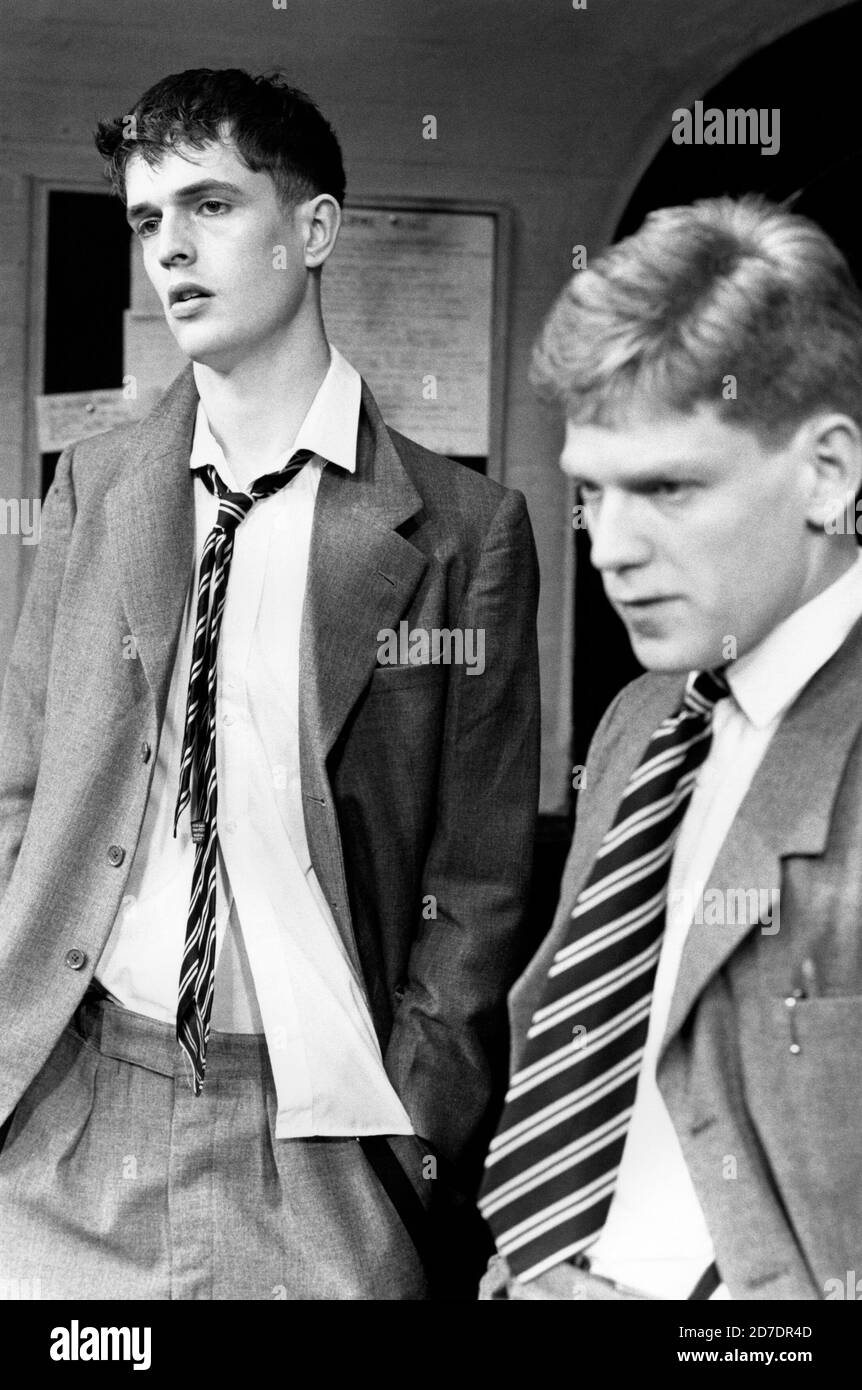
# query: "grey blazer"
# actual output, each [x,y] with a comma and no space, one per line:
[419,782]
[786,1215]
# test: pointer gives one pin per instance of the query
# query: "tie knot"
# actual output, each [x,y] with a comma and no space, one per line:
[233,506]
[703,691]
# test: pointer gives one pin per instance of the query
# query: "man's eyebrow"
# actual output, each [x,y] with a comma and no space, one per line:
[187,195]
[581,473]
[669,467]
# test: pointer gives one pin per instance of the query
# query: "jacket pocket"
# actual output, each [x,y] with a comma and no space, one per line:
[387,679]
[801,1077]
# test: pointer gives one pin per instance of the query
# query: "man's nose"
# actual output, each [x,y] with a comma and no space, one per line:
[618,531]
[175,241]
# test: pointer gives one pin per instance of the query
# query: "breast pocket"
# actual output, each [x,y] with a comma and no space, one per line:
[388,679]
[803,1053]
[801,1065]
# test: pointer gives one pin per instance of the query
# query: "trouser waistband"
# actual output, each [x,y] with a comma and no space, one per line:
[147,1042]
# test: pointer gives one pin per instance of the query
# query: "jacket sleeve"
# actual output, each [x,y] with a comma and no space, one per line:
[25,684]
[447,1053]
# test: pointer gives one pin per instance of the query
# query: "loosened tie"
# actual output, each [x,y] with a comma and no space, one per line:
[197,973]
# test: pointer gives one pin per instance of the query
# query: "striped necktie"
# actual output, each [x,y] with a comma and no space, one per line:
[197,973]
[552,1168]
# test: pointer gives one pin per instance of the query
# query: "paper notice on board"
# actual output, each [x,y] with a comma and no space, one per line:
[408,299]
[63,418]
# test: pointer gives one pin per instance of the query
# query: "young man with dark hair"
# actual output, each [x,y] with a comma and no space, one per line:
[683,1119]
[259,892]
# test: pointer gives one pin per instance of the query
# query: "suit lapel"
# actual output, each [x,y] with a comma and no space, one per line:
[787,811]
[362,576]
[150,518]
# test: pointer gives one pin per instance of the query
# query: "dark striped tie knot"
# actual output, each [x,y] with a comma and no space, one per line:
[703,691]
[234,506]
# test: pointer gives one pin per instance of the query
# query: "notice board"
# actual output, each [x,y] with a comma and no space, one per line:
[413,297]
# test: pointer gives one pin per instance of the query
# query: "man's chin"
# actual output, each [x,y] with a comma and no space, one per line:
[670,654]
[205,350]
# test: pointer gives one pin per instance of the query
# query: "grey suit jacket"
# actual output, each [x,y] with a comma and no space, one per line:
[772,1139]
[419,781]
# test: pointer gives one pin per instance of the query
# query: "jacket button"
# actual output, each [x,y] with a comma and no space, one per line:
[146,750]
[116,855]
[75,959]
[399,991]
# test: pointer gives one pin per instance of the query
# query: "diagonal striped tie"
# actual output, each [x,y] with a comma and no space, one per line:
[552,1168]
[197,973]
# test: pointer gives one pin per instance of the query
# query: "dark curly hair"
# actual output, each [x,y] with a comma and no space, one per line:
[275,128]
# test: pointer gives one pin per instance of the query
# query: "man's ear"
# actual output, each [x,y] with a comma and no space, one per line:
[320,221]
[833,445]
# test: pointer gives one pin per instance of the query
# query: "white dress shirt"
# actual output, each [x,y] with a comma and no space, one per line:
[655,1238]
[282,968]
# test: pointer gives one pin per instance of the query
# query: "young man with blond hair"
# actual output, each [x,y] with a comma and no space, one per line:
[683,1117]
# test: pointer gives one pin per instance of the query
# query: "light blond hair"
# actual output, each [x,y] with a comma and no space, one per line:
[722,290]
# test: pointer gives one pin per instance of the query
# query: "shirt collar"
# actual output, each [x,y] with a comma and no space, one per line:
[330,428]
[765,681]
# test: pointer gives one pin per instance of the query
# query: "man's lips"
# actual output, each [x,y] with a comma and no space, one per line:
[185,290]
[641,602]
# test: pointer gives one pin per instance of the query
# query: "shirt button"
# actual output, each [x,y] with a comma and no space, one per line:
[230,826]
[75,959]
[116,855]
[146,750]
[227,718]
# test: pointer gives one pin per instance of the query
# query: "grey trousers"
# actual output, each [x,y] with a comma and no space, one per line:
[117,1182]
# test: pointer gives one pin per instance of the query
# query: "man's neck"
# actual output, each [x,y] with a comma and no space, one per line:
[255,408]
[832,561]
